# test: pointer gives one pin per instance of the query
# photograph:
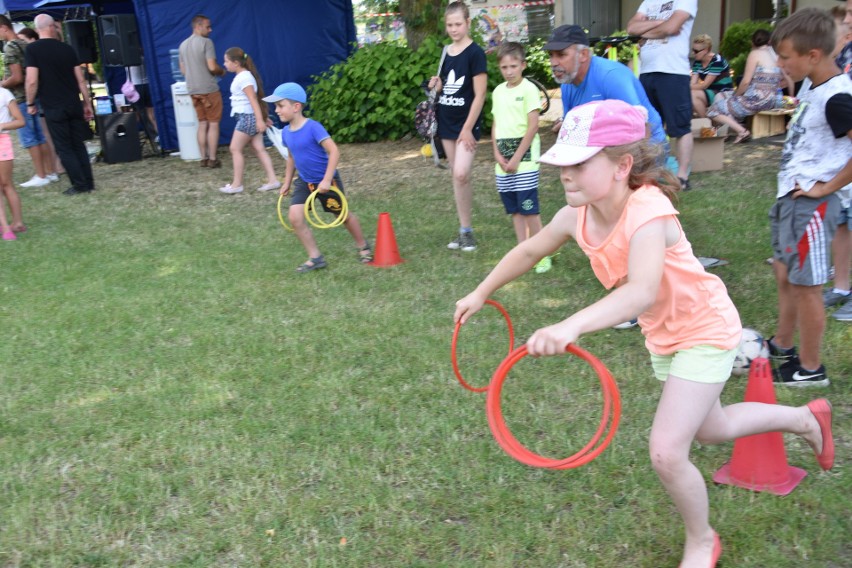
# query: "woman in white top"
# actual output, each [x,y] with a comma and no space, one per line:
[252,118]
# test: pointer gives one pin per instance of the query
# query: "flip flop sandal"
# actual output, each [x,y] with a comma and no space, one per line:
[744,137]
[312,264]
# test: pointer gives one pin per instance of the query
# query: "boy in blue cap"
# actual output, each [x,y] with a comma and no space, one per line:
[315,155]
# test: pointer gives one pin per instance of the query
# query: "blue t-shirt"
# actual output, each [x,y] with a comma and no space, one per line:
[304,144]
[612,80]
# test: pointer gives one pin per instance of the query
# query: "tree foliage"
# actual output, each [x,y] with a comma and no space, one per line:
[422,18]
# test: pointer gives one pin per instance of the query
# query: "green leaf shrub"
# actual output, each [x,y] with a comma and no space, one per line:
[736,43]
[371,96]
[538,64]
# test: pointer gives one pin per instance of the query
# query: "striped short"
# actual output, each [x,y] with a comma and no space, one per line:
[802,230]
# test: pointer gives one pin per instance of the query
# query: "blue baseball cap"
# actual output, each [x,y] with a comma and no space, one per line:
[289,91]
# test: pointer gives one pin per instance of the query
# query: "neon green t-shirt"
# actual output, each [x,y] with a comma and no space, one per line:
[511,108]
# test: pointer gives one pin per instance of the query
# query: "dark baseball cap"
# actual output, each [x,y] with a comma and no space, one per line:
[565,36]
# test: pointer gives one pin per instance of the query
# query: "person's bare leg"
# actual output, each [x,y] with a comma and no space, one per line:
[201,135]
[296,215]
[263,157]
[212,139]
[787,312]
[811,319]
[462,186]
[684,155]
[841,249]
[37,156]
[238,143]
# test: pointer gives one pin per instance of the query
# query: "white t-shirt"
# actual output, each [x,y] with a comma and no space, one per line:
[811,151]
[5,97]
[669,54]
[239,101]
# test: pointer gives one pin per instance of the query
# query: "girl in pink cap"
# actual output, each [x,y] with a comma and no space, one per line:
[621,214]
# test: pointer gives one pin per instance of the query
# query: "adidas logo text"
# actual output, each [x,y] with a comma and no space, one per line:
[451,101]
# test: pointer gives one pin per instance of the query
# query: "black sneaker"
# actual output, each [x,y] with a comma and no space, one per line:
[792,374]
[778,355]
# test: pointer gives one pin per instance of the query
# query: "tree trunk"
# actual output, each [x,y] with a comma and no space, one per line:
[422,18]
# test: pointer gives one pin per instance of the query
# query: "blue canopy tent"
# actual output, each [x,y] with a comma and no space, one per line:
[289,40]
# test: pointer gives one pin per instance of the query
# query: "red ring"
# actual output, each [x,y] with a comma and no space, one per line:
[455,341]
[510,444]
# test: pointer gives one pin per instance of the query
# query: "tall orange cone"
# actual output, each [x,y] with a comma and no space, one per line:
[386,253]
[759,462]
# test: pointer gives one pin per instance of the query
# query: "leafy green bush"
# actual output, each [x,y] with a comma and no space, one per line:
[371,96]
[737,42]
[538,64]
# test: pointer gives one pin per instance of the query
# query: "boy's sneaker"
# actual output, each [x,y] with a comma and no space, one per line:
[832,298]
[464,241]
[792,374]
[778,355]
[844,313]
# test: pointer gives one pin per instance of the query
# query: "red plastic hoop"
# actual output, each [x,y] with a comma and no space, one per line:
[510,444]
[455,342]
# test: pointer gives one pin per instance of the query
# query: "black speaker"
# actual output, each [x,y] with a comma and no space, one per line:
[119,134]
[81,36]
[120,40]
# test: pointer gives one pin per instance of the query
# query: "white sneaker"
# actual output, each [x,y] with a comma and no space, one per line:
[36,181]
[52,177]
[227,188]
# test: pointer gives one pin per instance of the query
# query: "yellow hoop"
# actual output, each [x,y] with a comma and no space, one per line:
[280,216]
[313,216]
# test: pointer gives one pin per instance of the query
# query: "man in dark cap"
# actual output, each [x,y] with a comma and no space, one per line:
[585,77]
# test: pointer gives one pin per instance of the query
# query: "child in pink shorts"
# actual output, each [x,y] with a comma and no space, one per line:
[10,119]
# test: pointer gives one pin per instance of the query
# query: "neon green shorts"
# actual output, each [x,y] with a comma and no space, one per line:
[700,364]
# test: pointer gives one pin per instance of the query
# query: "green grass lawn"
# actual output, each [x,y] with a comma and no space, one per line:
[172,393]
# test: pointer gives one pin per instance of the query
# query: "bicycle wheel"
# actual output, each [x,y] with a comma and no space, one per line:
[545,96]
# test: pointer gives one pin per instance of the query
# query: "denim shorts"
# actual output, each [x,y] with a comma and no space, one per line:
[246,123]
[699,364]
[671,96]
[31,133]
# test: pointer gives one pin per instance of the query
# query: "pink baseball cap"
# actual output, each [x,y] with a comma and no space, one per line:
[589,128]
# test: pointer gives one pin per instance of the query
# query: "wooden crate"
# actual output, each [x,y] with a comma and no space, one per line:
[769,123]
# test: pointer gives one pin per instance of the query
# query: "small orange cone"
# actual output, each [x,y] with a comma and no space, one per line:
[386,253]
[759,462]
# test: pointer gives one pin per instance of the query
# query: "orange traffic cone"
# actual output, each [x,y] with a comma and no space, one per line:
[386,253]
[759,462]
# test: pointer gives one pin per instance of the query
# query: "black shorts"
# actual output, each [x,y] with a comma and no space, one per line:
[329,200]
[671,96]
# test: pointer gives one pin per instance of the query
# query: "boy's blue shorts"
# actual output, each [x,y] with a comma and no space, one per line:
[519,192]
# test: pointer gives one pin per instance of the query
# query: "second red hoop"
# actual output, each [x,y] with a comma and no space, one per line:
[453,350]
